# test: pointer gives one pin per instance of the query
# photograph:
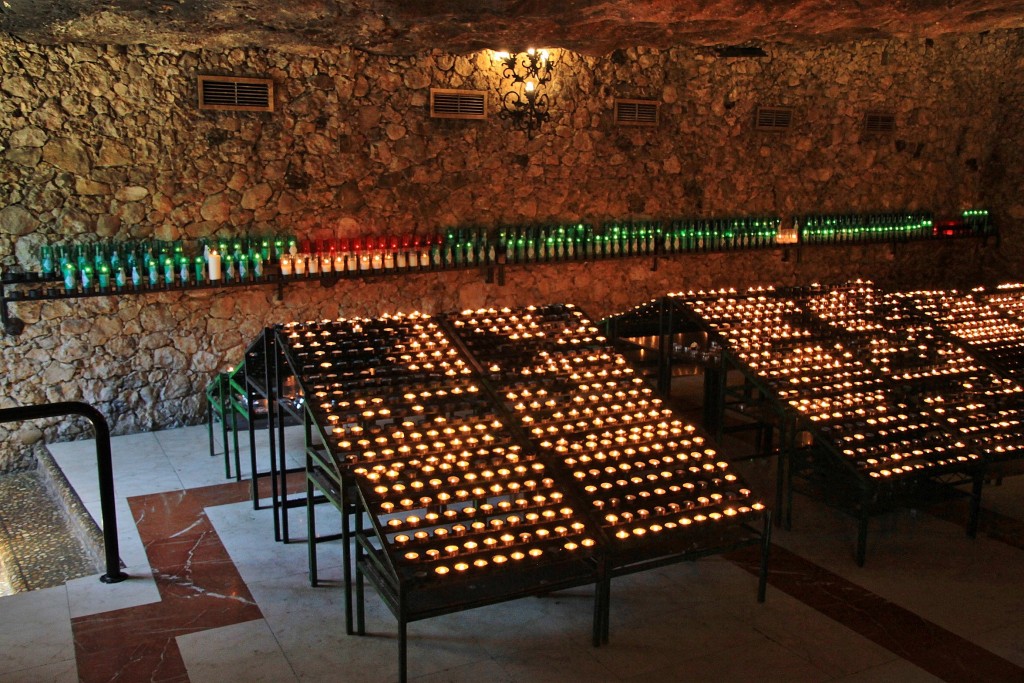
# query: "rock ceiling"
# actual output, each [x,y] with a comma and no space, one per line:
[410,26]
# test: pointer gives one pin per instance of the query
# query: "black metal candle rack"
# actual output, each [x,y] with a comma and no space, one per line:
[416,433]
[877,406]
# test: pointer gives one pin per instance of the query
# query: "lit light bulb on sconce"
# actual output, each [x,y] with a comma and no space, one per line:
[526,106]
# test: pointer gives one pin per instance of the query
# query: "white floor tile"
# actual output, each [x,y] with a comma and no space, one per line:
[240,652]
[65,671]
[88,595]
[36,630]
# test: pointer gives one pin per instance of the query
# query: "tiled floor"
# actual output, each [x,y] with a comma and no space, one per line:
[213,598]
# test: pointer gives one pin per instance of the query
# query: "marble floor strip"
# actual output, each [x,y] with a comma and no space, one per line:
[904,633]
[199,586]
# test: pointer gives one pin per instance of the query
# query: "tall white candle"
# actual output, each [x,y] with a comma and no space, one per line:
[286,265]
[325,264]
[214,265]
[300,264]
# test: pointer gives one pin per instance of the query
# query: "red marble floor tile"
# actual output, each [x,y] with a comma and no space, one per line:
[156,659]
[221,494]
[296,482]
[199,586]
[915,639]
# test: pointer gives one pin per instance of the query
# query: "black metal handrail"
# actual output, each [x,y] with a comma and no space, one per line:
[103,465]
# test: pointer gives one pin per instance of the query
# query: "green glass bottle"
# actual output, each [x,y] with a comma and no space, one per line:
[168,270]
[103,275]
[228,271]
[46,260]
[88,275]
[69,277]
[199,268]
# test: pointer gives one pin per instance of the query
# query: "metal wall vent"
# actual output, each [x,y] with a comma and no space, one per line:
[227,93]
[773,118]
[636,112]
[879,123]
[458,104]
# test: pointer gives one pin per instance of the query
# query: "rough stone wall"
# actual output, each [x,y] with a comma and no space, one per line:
[1003,174]
[107,142]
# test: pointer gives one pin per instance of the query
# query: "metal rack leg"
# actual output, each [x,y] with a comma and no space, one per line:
[282,474]
[977,483]
[790,450]
[787,524]
[360,592]
[275,494]
[715,380]
[780,485]
[250,411]
[314,579]
[209,425]
[269,379]
[767,440]
[862,538]
[766,544]
[346,561]
[222,384]
[234,439]
[598,626]
[606,599]
[403,647]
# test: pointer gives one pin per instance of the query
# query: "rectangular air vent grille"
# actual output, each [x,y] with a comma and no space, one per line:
[773,118]
[458,104]
[636,112]
[226,93]
[879,122]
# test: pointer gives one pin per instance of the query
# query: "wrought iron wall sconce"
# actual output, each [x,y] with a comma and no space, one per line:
[525,103]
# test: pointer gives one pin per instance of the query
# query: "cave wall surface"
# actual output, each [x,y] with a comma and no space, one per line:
[106,142]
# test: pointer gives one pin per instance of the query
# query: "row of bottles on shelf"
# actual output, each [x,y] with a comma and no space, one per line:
[581,241]
[878,227]
[157,263]
[870,227]
[971,222]
[475,246]
[160,264]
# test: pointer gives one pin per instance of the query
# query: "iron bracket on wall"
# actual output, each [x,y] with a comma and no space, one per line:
[13,326]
